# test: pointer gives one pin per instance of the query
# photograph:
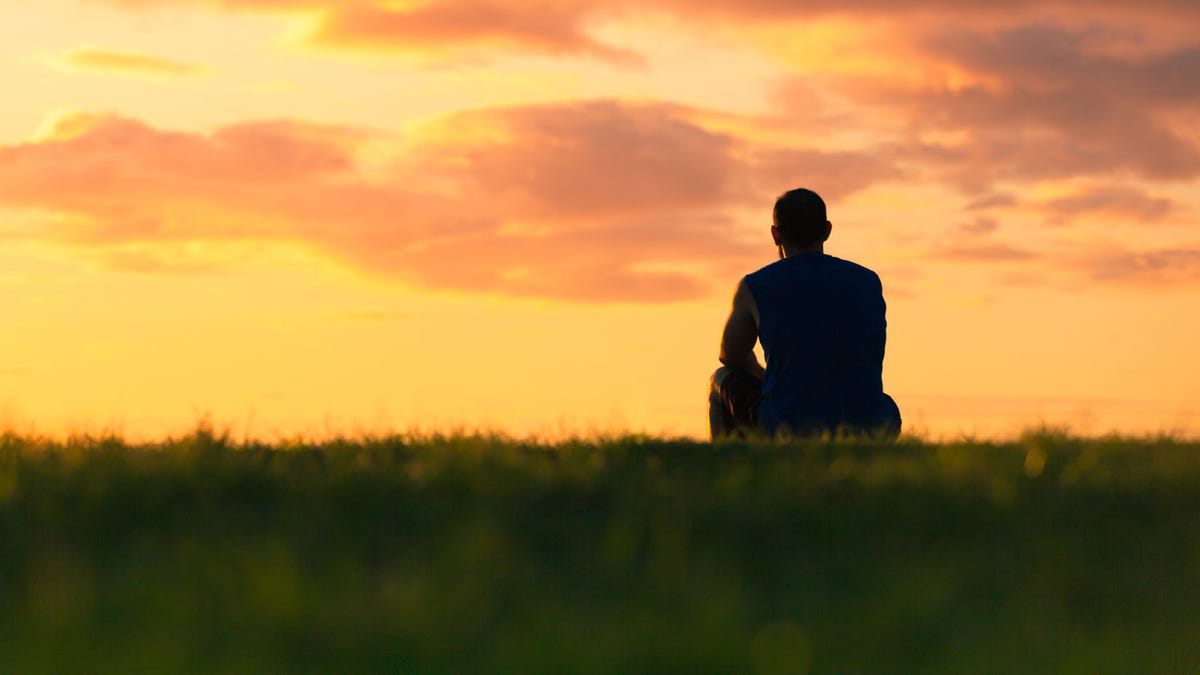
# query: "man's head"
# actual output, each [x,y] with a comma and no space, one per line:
[800,220]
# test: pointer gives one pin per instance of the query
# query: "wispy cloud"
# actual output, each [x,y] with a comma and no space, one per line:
[1115,202]
[980,226]
[1154,268]
[1079,266]
[557,29]
[985,252]
[992,201]
[125,63]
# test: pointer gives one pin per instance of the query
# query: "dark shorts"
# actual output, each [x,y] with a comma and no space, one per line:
[740,395]
[739,398]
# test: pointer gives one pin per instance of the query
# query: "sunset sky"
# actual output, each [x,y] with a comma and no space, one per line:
[346,216]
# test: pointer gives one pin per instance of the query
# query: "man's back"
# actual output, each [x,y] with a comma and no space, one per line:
[823,328]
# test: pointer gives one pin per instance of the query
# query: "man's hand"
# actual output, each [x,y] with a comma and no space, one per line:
[741,332]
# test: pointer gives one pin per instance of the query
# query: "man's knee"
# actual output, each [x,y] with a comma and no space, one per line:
[891,415]
[717,379]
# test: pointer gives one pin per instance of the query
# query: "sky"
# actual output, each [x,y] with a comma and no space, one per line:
[321,217]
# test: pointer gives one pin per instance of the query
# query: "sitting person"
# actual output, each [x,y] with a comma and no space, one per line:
[822,326]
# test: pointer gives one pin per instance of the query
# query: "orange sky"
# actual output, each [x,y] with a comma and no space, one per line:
[319,216]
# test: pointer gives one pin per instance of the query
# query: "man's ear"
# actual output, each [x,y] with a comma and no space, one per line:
[775,236]
[828,230]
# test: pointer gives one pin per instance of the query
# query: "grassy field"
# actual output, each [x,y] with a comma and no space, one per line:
[1048,554]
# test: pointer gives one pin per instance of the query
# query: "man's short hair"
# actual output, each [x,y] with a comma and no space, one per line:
[800,217]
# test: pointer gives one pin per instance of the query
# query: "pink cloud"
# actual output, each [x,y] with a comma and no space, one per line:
[589,159]
[124,181]
[595,200]
[565,27]
[551,28]
[839,173]
[1040,102]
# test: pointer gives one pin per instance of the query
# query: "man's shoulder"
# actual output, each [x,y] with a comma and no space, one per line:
[854,268]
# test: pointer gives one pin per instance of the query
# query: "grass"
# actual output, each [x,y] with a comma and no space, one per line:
[1047,554]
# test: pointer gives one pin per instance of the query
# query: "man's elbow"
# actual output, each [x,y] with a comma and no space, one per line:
[730,354]
[743,361]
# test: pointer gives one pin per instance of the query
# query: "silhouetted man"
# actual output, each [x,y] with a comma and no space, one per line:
[822,326]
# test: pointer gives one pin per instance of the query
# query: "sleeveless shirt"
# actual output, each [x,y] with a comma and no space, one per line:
[823,328]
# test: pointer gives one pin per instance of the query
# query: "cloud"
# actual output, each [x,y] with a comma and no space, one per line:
[125,63]
[442,27]
[1116,202]
[550,28]
[1053,58]
[570,27]
[1162,267]
[1022,135]
[980,226]
[984,253]
[838,173]
[1031,103]
[991,201]
[593,200]
[118,181]
[588,159]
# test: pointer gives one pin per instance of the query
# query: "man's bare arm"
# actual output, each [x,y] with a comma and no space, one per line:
[741,332]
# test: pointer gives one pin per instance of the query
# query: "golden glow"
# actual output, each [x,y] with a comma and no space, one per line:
[849,46]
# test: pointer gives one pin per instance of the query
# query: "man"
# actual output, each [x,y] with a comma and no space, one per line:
[822,326]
